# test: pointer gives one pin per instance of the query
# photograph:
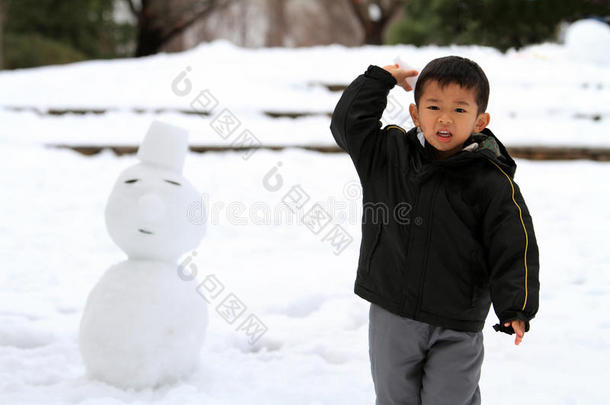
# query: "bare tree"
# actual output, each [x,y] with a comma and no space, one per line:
[374,16]
[242,22]
[159,21]
[277,23]
[322,22]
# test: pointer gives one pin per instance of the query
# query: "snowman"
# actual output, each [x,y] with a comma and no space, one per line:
[143,325]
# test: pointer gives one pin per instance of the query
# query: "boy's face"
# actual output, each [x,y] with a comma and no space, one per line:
[447,116]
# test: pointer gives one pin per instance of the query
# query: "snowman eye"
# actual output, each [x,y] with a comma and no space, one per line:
[172,182]
[131,181]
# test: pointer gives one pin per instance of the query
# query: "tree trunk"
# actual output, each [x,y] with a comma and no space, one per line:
[373,34]
[150,35]
[374,29]
[243,22]
[159,21]
[277,23]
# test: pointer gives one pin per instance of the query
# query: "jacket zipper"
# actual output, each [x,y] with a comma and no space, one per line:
[426,250]
[416,194]
[370,257]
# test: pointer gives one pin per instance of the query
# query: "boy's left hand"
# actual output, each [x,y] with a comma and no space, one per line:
[519,328]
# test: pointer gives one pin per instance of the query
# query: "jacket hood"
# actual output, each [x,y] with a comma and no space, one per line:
[479,145]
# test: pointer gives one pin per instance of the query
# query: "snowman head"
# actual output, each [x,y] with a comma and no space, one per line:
[149,212]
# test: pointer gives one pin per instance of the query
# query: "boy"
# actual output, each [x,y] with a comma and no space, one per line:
[445,231]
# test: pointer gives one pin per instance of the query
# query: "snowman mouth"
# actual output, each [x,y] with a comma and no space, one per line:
[145,231]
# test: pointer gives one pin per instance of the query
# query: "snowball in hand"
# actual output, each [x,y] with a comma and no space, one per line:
[143,325]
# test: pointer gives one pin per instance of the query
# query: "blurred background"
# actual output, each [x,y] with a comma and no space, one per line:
[44,32]
[255,82]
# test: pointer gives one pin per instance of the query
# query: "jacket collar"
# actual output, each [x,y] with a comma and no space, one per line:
[479,145]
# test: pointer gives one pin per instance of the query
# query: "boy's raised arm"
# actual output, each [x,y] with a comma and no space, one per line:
[355,122]
[512,253]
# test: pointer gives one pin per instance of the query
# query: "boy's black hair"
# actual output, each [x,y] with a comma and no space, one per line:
[455,69]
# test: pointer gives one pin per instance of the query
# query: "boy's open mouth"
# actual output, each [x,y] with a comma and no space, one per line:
[443,135]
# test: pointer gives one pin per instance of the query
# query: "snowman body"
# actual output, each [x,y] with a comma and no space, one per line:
[144,325]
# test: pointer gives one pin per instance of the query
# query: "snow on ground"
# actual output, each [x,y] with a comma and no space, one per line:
[55,247]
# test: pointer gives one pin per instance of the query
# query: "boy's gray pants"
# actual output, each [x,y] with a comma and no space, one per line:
[417,363]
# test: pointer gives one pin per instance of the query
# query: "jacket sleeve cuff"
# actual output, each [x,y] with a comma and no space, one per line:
[375,72]
[499,327]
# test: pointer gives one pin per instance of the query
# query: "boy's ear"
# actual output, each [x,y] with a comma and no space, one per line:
[481,122]
[414,114]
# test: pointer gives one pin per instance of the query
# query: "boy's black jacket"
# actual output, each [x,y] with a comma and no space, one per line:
[441,239]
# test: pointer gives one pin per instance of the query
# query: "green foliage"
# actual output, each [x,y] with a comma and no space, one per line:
[29,50]
[40,32]
[499,23]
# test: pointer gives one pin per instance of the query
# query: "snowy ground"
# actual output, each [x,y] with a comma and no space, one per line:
[55,247]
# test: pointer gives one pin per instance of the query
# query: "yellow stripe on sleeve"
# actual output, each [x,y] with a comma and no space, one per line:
[522,223]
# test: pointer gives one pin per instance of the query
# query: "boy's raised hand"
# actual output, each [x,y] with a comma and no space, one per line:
[519,328]
[401,75]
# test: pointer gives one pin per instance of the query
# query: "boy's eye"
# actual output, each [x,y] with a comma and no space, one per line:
[460,110]
[432,107]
